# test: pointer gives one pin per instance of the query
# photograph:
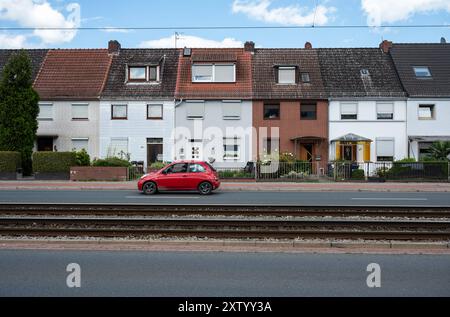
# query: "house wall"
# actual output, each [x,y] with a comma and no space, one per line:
[439,126]
[369,127]
[213,142]
[137,128]
[290,125]
[65,128]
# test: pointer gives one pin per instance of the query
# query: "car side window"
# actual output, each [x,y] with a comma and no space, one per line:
[196,168]
[177,168]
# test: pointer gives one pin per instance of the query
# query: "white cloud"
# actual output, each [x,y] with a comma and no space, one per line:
[39,13]
[190,41]
[11,41]
[290,15]
[388,11]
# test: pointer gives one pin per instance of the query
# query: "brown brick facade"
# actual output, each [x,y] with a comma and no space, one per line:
[292,126]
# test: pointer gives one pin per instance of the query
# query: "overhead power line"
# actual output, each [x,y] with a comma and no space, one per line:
[224,27]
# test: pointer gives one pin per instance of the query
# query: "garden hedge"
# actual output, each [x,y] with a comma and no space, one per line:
[53,162]
[9,161]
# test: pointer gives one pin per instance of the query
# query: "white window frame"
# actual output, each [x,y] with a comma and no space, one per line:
[224,102]
[118,139]
[213,75]
[81,139]
[232,141]
[391,139]
[422,67]
[147,74]
[195,117]
[287,68]
[155,105]
[348,103]
[79,105]
[46,118]
[385,103]
[433,111]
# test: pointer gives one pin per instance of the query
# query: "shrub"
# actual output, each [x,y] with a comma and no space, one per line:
[406,160]
[9,161]
[158,165]
[111,162]
[53,162]
[358,174]
[83,158]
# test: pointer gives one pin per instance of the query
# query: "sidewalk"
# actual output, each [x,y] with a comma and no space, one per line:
[236,186]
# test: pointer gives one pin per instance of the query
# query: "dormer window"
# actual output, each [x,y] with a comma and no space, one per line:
[213,73]
[286,75]
[422,72]
[365,72]
[143,74]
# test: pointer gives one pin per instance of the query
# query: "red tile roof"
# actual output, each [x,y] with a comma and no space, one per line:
[241,89]
[73,74]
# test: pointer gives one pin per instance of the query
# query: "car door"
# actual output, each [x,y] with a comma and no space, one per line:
[197,174]
[174,177]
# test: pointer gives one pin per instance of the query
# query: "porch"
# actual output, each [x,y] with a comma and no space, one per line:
[352,147]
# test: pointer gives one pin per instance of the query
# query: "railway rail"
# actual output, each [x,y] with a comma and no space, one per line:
[287,222]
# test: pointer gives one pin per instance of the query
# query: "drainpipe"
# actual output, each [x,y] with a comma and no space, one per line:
[176,104]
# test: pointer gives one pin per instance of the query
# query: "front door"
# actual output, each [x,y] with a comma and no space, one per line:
[154,153]
[307,152]
[45,144]
[196,151]
[347,152]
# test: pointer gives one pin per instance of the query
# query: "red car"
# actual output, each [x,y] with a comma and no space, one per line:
[181,175]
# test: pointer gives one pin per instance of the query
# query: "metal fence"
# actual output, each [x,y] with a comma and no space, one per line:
[390,171]
[135,172]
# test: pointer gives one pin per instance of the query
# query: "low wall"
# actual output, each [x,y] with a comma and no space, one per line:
[93,173]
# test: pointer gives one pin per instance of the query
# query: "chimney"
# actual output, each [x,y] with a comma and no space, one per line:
[385,46]
[114,47]
[249,46]
[308,45]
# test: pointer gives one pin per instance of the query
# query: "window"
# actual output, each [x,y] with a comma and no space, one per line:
[385,149]
[195,110]
[143,73]
[118,147]
[286,75]
[224,73]
[177,168]
[80,143]
[45,112]
[196,168]
[231,110]
[154,112]
[365,72]
[137,73]
[230,148]
[119,112]
[80,112]
[385,111]
[426,112]
[305,78]
[349,111]
[308,112]
[271,145]
[422,72]
[219,73]
[424,150]
[271,112]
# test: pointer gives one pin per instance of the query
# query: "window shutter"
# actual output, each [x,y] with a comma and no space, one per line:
[224,73]
[231,110]
[202,72]
[195,110]
[154,111]
[385,108]
[348,108]
[46,111]
[286,75]
[79,144]
[80,111]
[118,146]
[385,147]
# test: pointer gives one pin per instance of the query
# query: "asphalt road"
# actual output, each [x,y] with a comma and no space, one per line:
[106,273]
[223,198]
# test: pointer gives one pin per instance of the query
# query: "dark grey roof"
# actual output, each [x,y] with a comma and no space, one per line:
[351,137]
[265,86]
[37,57]
[342,77]
[435,56]
[117,88]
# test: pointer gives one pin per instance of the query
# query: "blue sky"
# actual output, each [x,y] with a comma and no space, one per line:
[168,13]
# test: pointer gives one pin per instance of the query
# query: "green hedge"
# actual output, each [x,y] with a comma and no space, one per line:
[9,161]
[111,162]
[53,162]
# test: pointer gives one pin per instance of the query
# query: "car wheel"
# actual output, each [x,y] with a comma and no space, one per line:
[150,188]
[205,188]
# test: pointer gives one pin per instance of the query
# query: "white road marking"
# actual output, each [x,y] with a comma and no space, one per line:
[162,197]
[416,199]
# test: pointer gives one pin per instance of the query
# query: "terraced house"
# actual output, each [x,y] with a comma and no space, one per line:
[137,104]
[69,84]
[290,107]
[424,70]
[213,112]
[367,111]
